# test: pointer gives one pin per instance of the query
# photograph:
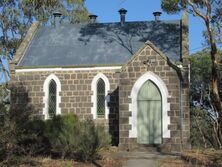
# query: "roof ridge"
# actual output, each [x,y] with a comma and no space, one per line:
[110,23]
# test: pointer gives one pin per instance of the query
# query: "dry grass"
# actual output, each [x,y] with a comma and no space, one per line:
[192,158]
[175,163]
[208,157]
[196,158]
[48,162]
[108,159]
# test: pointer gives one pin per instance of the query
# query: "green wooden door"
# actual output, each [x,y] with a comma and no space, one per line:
[149,118]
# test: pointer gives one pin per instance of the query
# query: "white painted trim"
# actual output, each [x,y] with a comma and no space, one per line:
[94,95]
[69,69]
[46,91]
[165,105]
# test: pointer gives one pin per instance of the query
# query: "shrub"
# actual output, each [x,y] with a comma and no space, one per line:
[19,134]
[61,132]
[91,140]
[70,138]
[62,136]
[33,140]
[203,133]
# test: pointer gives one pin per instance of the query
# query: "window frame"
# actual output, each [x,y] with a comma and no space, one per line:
[52,98]
[101,95]
[94,95]
[46,97]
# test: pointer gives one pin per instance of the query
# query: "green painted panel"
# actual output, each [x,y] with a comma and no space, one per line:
[149,91]
[142,121]
[149,124]
[155,129]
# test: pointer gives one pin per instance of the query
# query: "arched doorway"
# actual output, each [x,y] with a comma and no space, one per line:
[149,117]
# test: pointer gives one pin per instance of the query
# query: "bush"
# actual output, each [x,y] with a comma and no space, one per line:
[62,136]
[202,129]
[61,132]
[19,134]
[91,140]
[33,140]
[70,138]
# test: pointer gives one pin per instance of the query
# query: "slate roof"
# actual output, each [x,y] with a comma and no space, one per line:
[100,43]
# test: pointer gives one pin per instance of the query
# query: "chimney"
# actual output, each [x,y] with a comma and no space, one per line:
[122,13]
[57,18]
[157,15]
[92,18]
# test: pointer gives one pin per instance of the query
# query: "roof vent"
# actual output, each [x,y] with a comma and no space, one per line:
[92,18]
[157,15]
[57,18]
[122,13]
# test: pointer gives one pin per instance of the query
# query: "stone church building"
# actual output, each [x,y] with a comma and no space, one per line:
[132,77]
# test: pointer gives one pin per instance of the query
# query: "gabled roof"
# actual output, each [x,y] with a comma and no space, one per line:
[100,43]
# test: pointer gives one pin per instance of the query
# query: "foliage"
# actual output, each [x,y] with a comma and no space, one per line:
[62,136]
[91,140]
[33,140]
[20,133]
[2,149]
[200,79]
[16,16]
[23,133]
[71,138]
[204,118]
[202,134]
[15,132]
[209,11]
[62,132]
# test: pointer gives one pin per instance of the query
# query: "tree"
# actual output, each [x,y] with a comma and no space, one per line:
[203,116]
[16,16]
[208,11]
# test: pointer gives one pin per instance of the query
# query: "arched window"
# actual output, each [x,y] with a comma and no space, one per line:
[52,99]
[100,98]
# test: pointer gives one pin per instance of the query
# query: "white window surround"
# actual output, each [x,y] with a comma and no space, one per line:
[165,105]
[46,91]
[94,95]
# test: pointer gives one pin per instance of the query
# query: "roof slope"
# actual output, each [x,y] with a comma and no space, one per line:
[100,43]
